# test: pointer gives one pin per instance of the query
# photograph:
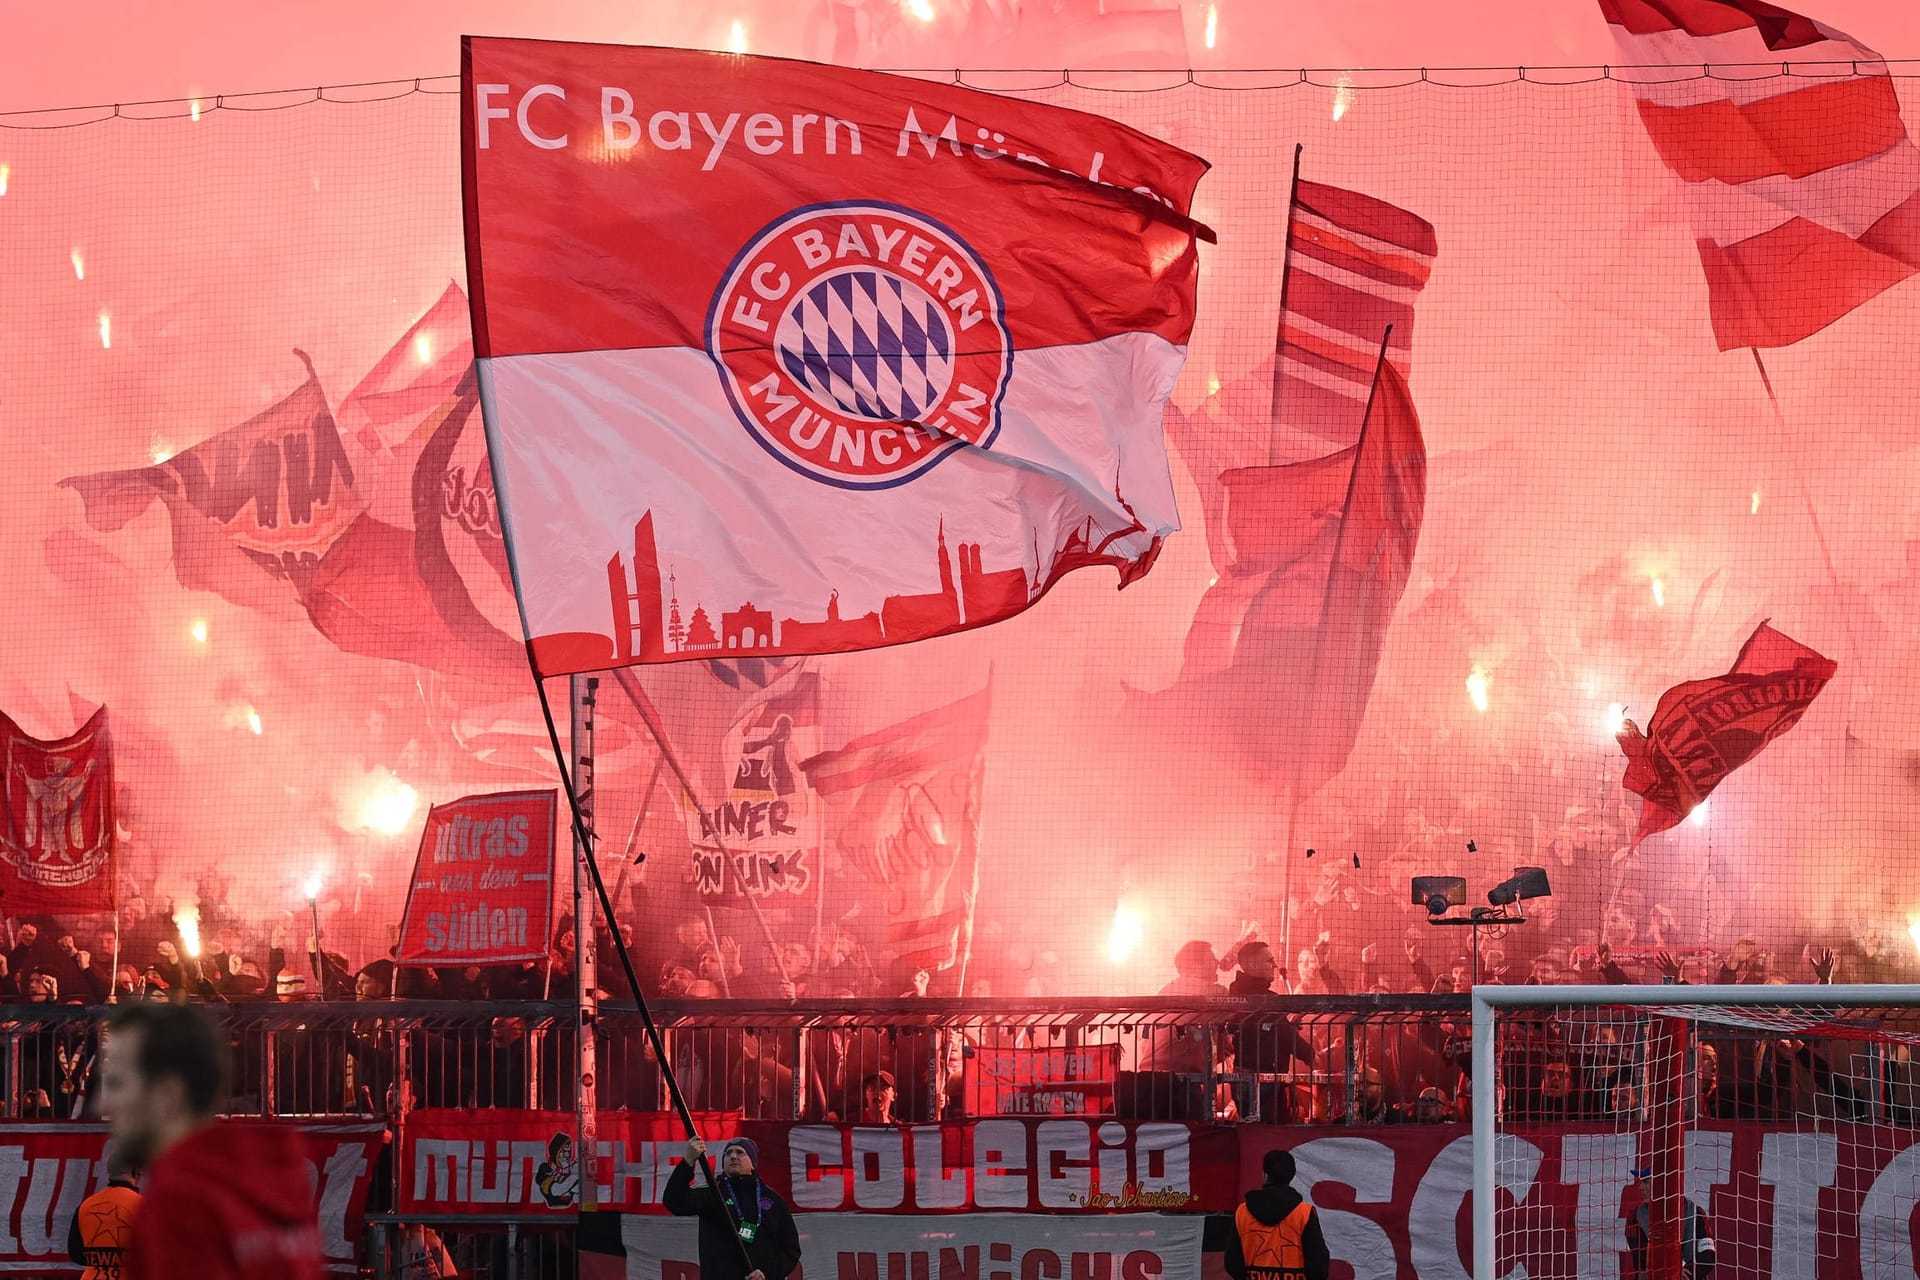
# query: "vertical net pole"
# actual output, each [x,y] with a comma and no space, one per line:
[1666,1154]
[1485,1116]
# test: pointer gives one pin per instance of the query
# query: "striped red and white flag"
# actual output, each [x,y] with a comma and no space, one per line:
[1802,184]
[815,359]
[1354,266]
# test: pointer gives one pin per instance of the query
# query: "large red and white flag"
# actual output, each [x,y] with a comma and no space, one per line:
[1803,188]
[820,359]
[903,809]
[1355,265]
[56,820]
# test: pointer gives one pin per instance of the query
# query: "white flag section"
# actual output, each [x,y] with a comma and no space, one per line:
[992,1246]
[806,359]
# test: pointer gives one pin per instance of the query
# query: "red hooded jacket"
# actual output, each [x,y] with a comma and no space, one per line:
[230,1202]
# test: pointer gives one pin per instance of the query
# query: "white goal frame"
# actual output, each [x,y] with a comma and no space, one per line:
[1488,1000]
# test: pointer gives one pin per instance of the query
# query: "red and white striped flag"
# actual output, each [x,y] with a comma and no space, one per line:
[817,359]
[1803,188]
[1354,266]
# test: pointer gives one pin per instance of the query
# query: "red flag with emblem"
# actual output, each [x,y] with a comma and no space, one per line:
[56,820]
[1705,729]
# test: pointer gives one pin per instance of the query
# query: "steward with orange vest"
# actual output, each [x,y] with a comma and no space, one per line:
[97,1240]
[1276,1232]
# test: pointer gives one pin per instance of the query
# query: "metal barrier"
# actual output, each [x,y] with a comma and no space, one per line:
[1281,1060]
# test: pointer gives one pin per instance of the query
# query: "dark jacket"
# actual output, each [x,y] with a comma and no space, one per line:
[775,1248]
[1270,1206]
[1267,1041]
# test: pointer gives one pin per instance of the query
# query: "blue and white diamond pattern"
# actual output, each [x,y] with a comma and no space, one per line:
[875,345]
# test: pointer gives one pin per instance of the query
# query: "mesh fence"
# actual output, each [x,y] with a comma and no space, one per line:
[1613,506]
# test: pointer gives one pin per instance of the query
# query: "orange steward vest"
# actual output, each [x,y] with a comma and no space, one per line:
[1274,1253]
[106,1224]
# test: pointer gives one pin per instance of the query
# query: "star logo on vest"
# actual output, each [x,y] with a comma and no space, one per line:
[861,343]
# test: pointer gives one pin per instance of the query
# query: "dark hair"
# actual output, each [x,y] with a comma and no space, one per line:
[177,1040]
[1278,1166]
[1248,950]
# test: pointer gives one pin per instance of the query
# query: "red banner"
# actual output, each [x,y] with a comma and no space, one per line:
[56,820]
[494,1162]
[482,890]
[46,1170]
[1043,1082]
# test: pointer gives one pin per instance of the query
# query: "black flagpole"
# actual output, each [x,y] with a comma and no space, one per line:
[1280,332]
[678,1098]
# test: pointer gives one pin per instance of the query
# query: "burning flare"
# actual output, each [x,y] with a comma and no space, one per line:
[186,918]
[1129,930]
[1477,689]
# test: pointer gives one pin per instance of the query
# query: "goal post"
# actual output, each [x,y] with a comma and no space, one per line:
[1690,1100]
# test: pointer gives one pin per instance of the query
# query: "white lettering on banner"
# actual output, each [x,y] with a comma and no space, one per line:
[1599,1232]
[1367,1167]
[1886,1220]
[1709,1164]
[986,1246]
[1057,1164]
[527,130]
[1796,1166]
[39,1197]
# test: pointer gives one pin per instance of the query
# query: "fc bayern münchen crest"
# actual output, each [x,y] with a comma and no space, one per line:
[861,343]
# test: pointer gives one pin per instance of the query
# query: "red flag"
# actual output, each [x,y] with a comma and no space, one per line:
[1705,729]
[1354,266]
[56,820]
[482,887]
[904,809]
[251,507]
[889,376]
[1372,557]
[1803,189]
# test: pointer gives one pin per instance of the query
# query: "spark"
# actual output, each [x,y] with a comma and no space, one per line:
[1477,689]
[1129,929]
[1659,594]
[253,722]
[193,109]
[1214,581]
[921,9]
[423,348]
[737,37]
[1213,386]
[198,630]
[1699,815]
[1616,721]
[1756,504]
[106,331]
[1342,96]
[1213,24]
[1913,931]
[186,918]
[390,807]
[6,171]
[159,450]
[79,266]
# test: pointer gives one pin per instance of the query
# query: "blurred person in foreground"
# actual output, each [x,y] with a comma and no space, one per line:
[746,1230]
[222,1201]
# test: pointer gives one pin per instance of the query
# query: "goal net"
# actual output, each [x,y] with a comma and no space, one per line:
[1681,1132]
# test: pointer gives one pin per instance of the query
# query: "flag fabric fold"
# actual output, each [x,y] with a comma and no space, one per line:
[1703,730]
[1803,188]
[882,363]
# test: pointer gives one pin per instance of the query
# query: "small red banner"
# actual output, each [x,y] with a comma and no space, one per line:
[482,889]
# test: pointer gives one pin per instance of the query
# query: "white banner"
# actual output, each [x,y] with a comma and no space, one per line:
[993,1246]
